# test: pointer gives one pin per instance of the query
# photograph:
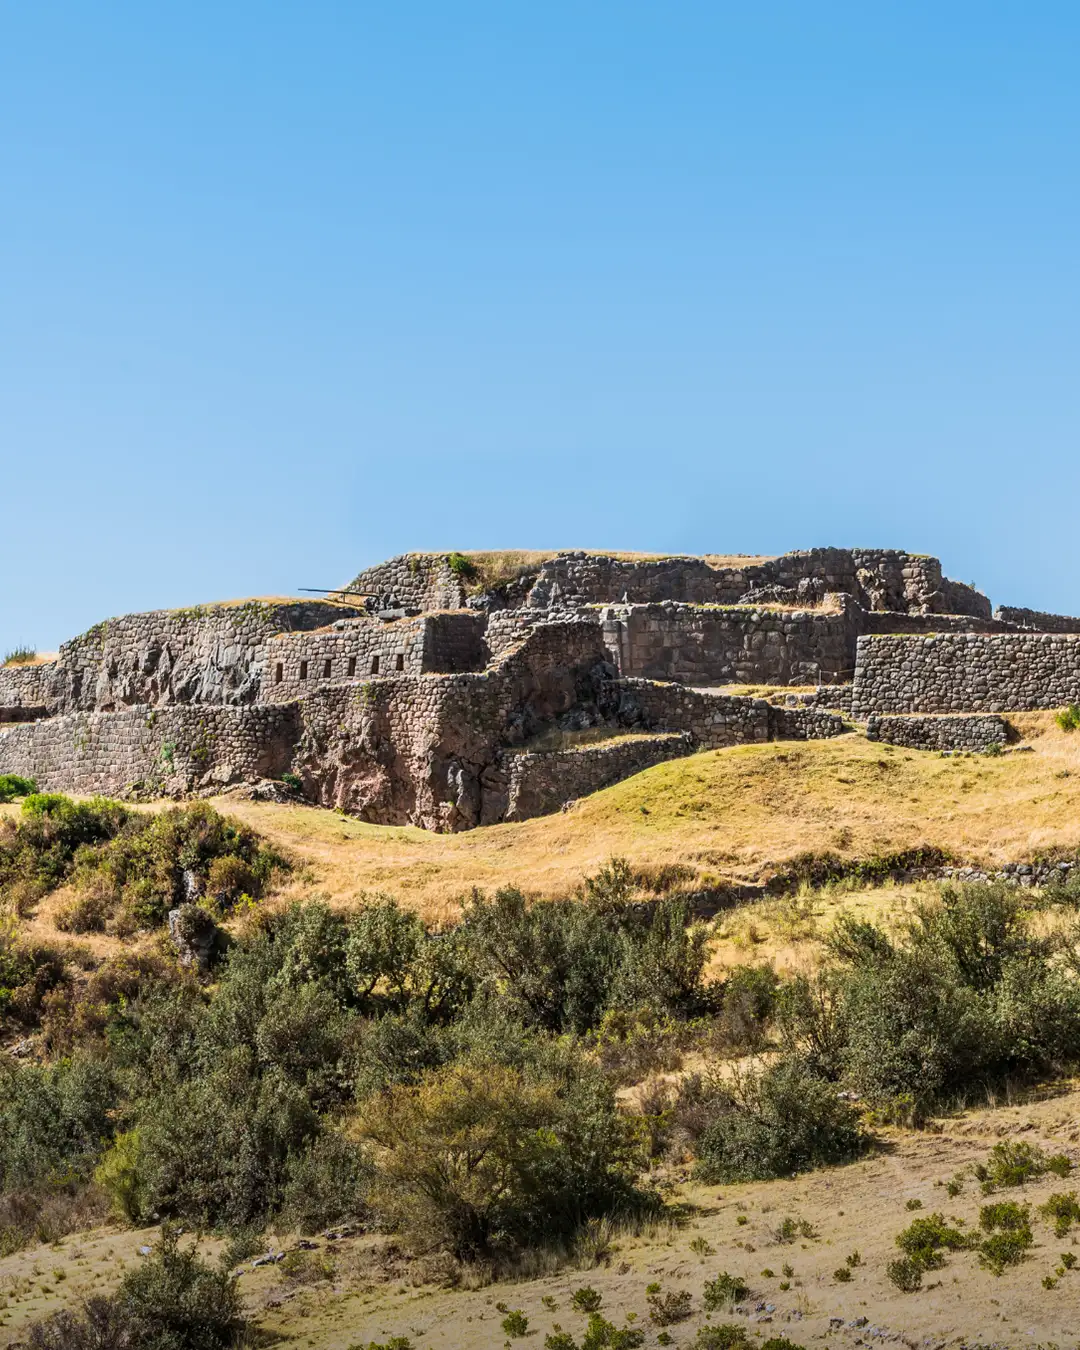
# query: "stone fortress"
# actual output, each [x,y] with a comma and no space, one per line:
[455,690]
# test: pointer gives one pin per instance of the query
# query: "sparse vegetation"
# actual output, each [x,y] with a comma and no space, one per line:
[20,656]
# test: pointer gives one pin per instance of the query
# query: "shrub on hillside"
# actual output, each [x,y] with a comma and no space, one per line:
[171,1301]
[481,1156]
[772,1123]
[13,785]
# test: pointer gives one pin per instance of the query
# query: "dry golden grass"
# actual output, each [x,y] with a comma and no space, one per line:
[736,814]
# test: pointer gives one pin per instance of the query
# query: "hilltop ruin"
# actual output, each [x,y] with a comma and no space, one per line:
[455,690]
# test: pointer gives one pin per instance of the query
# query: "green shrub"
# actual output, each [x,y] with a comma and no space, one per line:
[905,1273]
[1068,719]
[599,1335]
[13,785]
[586,1299]
[326,1182]
[1009,1228]
[1063,1209]
[748,1003]
[515,1323]
[924,1240]
[725,1336]
[774,1123]
[461,566]
[724,1291]
[1014,1163]
[479,1155]
[171,1301]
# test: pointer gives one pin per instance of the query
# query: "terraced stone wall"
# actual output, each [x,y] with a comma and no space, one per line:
[1036,620]
[152,752]
[422,581]
[971,672]
[955,731]
[26,692]
[521,785]
[729,644]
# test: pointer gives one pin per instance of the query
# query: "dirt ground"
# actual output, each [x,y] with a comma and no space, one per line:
[360,1289]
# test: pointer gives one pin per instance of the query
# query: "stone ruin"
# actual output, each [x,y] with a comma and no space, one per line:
[455,690]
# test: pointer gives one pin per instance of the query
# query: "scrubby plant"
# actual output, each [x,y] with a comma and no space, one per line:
[1008,1229]
[1063,1210]
[723,1336]
[19,656]
[724,1291]
[670,1306]
[480,1154]
[1068,719]
[13,785]
[586,1299]
[515,1323]
[772,1123]
[906,1273]
[924,1240]
[1014,1163]
[172,1299]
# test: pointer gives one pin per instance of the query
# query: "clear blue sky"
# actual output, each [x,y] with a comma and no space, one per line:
[289,287]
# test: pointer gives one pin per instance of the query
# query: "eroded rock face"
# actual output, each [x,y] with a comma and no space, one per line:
[195,936]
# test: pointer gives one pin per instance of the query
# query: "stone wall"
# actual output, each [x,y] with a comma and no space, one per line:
[730,644]
[26,692]
[1036,620]
[804,724]
[521,785]
[455,641]
[877,579]
[214,654]
[712,720]
[414,749]
[354,649]
[966,673]
[956,731]
[424,581]
[152,752]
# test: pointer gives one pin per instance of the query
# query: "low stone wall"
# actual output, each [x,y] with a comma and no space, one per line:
[152,752]
[713,721]
[730,644]
[966,673]
[1036,620]
[941,732]
[522,785]
[804,724]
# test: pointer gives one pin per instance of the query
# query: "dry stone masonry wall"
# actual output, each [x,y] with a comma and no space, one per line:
[426,700]
[152,752]
[977,732]
[970,672]
[521,785]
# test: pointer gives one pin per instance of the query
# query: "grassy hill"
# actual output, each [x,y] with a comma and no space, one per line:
[732,817]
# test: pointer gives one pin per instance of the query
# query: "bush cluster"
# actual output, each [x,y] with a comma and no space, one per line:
[129,866]
[967,997]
